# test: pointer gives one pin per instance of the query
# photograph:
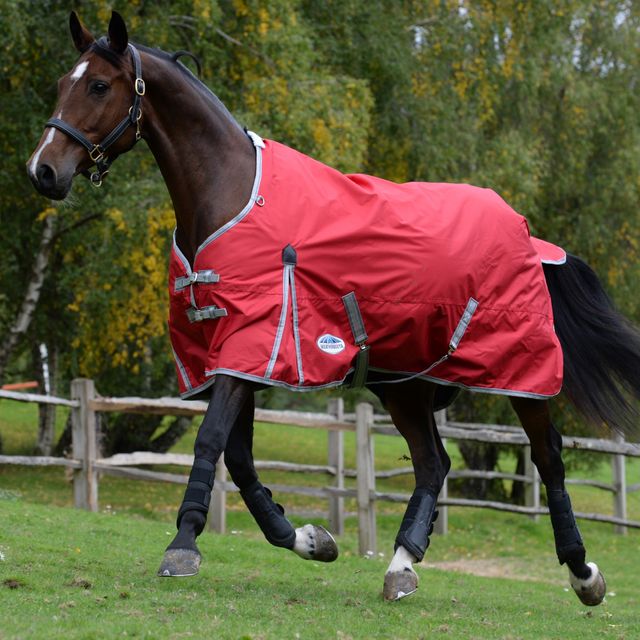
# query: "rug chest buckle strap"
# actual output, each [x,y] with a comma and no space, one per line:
[359,338]
[206,313]
[206,276]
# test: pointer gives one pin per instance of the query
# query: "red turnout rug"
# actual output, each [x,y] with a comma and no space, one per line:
[435,269]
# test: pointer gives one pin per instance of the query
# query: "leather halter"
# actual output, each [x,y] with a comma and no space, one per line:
[97,151]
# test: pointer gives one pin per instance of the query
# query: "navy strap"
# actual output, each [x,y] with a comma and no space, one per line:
[359,338]
[355,318]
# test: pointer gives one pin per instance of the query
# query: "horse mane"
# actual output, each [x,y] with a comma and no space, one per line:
[102,48]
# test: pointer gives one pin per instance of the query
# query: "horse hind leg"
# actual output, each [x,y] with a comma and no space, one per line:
[546,447]
[411,408]
[309,542]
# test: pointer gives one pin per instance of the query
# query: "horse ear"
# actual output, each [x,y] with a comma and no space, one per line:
[118,36]
[82,39]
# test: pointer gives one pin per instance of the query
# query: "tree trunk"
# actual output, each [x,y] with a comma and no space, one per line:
[517,492]
[483,457]
[47,412]
[64,445]
[178,428]
[32,294]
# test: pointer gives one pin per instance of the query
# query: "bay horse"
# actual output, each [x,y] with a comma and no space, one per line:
[119,92]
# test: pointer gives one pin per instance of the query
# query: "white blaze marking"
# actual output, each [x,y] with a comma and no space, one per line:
[79,71]
[34,163]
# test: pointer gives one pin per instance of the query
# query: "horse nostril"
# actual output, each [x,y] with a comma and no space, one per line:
[46,176]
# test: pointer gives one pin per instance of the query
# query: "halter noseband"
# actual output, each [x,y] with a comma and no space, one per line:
[98,151]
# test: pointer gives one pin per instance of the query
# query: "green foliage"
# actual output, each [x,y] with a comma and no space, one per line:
[537,99]
[104,301]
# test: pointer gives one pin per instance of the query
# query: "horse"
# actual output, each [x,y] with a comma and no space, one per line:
[119,92]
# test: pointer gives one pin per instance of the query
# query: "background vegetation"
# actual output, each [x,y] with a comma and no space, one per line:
[536,99]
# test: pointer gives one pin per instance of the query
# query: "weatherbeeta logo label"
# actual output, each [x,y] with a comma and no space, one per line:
[330,344]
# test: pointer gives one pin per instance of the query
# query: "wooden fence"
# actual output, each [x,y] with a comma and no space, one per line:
[87,465]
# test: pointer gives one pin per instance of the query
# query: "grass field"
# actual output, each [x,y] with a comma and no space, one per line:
[82,575]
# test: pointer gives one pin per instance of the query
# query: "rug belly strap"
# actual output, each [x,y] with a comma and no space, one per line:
[198,493]
[417,524]
[269,516]
[565,530]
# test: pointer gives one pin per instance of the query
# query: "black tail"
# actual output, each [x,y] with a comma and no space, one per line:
[601,347]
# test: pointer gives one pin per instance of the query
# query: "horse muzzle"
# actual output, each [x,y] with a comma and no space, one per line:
[48,183]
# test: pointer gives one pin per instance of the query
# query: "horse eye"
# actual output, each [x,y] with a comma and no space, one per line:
[100,88]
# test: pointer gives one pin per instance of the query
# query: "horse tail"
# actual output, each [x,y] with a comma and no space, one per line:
[601,347]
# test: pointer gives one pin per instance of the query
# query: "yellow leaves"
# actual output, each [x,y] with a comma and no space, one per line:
[47,212]
[241,7]
[122,308]
[104,13]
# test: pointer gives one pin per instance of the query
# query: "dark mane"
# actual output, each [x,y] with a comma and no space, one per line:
[101,48]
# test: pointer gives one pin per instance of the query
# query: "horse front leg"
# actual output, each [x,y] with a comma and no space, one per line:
[546,447]
[229,396]
[309,542]
[411,408]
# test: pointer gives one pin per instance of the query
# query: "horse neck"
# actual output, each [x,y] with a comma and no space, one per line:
[206,159]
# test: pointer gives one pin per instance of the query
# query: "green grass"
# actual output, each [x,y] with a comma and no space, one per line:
[82,575]
[75,574]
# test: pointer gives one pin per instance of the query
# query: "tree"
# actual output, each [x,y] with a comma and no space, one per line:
[103,303]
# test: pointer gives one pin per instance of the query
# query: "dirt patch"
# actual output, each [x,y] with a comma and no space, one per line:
[13,584]
[76,582]
[545,569]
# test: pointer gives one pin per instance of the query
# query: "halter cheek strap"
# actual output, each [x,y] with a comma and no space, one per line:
[97,152]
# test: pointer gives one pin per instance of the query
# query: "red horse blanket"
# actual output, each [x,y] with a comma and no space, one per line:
[436,269]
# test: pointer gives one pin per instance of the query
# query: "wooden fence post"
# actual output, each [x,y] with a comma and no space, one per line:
[618,472]
[531,489]
[441,525]
[218,507]
[83,433]
[335,458]
[366,480]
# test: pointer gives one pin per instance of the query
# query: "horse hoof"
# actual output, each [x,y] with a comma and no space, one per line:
[592,590]
[315,543]
[326,547]
[179,563]
[399,585]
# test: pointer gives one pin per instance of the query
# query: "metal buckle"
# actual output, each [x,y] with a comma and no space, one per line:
[138,134]
[140,87]
[96,180]
[194,315]
[99,156]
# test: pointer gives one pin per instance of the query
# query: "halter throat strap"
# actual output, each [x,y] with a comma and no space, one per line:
[97,152]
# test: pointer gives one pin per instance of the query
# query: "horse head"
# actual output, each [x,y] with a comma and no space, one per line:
[97,114]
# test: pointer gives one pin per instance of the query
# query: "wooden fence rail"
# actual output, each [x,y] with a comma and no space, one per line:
[87,466]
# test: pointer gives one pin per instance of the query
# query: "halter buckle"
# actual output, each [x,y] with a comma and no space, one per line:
[138,134]
[96,158]
[140,87]
[97,178]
